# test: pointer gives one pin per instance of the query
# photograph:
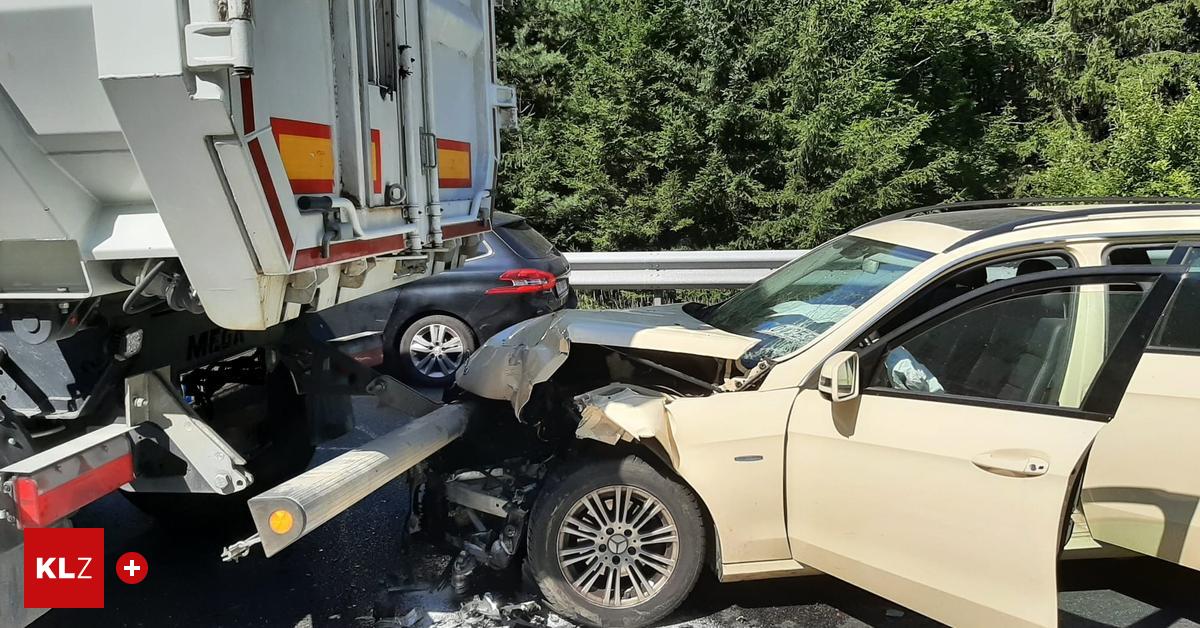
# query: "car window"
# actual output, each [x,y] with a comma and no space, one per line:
[1135,255]
[791,307]
[1179,329]
[1027,349]
[974,277]
[1142,254]
[1007,269]
[525,241]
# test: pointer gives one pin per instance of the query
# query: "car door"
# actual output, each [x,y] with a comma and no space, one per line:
[1141,490]
[944,485]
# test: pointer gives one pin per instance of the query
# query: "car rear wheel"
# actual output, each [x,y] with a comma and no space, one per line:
[432,348]
[615,543]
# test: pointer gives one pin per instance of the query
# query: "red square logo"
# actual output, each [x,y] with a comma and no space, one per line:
[64,568]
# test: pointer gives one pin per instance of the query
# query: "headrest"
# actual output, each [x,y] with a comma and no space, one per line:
[1123,257]
[1030,266]
[972,278]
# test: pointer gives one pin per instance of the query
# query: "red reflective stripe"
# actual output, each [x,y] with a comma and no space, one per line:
[38,510]
[247,105]
[350,249]
[464,229]
[264,176]
[377,146]
[446,144]
[284,126]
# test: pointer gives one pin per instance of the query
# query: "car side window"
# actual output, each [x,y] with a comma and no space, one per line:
[972,278]
[1139,255]
[1132,255]
[1014,350]
[1178,330]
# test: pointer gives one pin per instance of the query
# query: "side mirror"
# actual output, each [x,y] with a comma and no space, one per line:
[839,377]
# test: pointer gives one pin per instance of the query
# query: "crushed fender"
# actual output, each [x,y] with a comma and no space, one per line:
[624,412]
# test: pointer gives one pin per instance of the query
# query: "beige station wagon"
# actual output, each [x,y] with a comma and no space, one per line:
[936,407]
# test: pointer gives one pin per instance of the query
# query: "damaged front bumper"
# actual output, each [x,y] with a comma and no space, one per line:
[511,363]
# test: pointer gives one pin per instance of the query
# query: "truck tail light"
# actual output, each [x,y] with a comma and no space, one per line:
[524,281]
[50,486]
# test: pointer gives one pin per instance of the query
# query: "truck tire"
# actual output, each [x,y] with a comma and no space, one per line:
[615,542]
[287,451]
[431,348]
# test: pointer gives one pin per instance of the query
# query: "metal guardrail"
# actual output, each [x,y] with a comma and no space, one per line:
[662,270]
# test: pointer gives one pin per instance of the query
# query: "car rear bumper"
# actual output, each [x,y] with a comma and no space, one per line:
[496,312]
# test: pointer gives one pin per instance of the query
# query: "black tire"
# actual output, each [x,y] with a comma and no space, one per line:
[408,367]
[561,494]
[287,451]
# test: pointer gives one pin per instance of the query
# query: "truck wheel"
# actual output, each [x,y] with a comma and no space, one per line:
[283,450]
[615,543]
[432,348]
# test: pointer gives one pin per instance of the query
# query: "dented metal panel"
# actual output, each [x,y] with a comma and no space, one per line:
[509,364]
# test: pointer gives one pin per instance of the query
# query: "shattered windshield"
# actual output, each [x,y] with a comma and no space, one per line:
[793,306]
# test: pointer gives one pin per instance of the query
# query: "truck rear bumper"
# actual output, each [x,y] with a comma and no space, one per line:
[286,513]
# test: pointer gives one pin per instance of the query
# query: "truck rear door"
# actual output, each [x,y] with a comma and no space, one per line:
[460,95]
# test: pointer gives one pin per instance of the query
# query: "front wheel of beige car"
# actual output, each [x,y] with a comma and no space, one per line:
[614,542]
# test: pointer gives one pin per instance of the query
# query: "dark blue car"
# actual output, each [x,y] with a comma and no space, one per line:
[429,326]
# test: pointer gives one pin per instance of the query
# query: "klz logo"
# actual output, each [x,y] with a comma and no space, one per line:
[46,568]
[63,568]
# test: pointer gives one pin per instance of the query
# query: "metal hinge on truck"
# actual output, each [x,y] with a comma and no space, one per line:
[224,44]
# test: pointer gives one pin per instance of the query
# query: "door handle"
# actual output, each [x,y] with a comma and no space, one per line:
[1017,463]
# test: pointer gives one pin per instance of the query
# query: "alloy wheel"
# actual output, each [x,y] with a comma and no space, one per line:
[618,546]
[436,350]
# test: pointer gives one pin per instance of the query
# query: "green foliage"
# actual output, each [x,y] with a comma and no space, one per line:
[627,299]
[651,124]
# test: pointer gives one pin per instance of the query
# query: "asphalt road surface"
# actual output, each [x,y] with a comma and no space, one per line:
[332,577]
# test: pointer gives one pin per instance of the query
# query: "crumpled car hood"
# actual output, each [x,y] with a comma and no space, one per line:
[509,364]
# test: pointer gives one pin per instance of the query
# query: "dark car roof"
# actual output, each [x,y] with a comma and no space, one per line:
[504,219]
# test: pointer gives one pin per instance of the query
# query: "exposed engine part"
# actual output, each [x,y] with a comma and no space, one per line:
[668,370]
[753,376]
[485,512]
[460,575]
[471,494]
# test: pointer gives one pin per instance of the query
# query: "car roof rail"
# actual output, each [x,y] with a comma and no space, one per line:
[1171,204]
[1026,202]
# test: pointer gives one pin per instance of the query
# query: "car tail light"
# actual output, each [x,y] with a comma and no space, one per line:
[50,487]
[525,280]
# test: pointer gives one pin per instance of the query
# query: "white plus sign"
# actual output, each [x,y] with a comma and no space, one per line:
[132,568]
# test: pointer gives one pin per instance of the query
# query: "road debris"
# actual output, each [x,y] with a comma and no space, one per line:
[437,607]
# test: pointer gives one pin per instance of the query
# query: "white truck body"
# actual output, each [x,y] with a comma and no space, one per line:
[169,168]
[136,130]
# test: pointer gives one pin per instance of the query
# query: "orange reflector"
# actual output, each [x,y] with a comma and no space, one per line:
[306,149]
[281,522]
[454,164]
